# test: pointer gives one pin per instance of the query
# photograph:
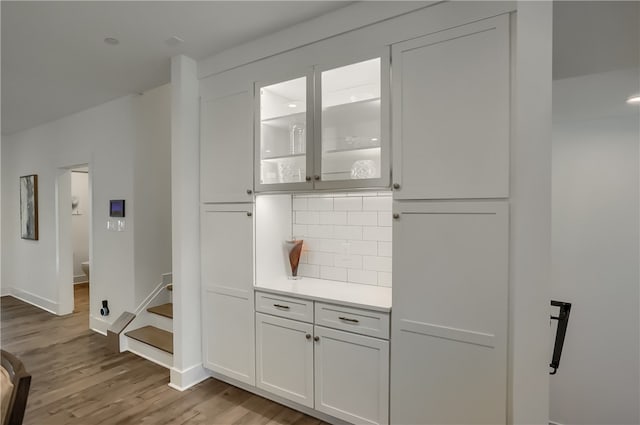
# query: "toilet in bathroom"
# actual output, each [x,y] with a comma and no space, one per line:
[85,268]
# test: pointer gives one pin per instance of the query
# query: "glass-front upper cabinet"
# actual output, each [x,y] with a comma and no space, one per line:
[283,133]
[328,129]
[351,139]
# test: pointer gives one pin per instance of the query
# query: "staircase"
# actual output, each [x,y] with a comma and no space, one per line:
[150,334]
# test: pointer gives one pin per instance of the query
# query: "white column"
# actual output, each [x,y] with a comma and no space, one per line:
[185,188]
[530,273]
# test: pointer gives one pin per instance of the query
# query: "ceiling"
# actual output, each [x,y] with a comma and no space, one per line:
[55,61]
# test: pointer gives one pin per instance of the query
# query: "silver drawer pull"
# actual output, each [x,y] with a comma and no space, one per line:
[284,307]
[346,319]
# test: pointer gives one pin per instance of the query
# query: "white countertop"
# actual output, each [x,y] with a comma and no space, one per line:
[349,294]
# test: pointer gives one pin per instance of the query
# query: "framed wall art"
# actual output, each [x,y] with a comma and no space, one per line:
[29,207]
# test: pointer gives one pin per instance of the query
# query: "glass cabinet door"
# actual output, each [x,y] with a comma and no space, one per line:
[351,125]
[283,131]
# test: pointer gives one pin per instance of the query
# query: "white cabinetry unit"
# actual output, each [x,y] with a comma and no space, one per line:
[351,376]
[284,358]
[226,148]
[227,285]
[451,97]
[324,129]
[338,372]
[450,297]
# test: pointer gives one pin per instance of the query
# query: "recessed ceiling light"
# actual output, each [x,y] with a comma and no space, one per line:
[634,100]
[111,41]
[292,105]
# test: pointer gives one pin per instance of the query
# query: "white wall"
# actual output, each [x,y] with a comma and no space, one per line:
[104,137]
[596,258]
[80,223]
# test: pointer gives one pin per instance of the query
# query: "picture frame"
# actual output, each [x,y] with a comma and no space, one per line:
[29,207]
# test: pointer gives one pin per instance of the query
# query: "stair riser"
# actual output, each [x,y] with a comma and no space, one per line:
[148,352]
[158,321]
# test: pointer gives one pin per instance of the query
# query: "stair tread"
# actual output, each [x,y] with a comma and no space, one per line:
[165,310]
[153,336]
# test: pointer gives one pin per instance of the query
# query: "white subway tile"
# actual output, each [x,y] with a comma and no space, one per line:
[320,204]
[299,230]
[384,249]
[320,258]
[320,230]
[304,257]
[348,261]
[387,193]
[312,244]
[299,204]
[379,264]
[337,246]
[384,218]
[309,270]
[347,232]
[366,277]
[307,217]
[333,273]
[360,218]
[362,247]
[377,234]
[348,204]
[384,279]
[377,203]
[333,217]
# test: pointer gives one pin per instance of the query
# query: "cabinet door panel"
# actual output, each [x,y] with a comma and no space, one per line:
[285,358]
[228,336]
[449,321]
[352,376]
[227,248]
[226,149]
[227,282]
[451,113]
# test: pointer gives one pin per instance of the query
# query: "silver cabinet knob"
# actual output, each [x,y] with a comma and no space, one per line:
[316,177]
[396,216]
[249,191]
[316,338]
[396,185]
[308,336]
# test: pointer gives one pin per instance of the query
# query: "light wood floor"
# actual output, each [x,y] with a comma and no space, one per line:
[76,380]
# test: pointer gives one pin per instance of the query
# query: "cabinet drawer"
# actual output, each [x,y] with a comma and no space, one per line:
[289,307]
[365,322]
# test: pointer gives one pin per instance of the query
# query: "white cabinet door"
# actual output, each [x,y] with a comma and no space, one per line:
[449,321]
[226,148]
[227,283]
[284,358]
[352,376]
[450,113]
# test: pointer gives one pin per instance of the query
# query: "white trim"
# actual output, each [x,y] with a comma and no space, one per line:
[98,324]
[185,379]
[329,25]
[554,423]
[5,292]
[35,300]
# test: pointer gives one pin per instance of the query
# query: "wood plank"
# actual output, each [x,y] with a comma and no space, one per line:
[153,336]
[76,380]
[165,310]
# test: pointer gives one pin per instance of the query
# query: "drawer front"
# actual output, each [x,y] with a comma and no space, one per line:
[365,322]
[283,306]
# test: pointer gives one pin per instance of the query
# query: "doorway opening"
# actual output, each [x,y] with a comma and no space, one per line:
[80,220]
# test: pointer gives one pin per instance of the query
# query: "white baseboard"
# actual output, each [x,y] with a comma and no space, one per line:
[35,300]
[98,324]
[185,379]
[5,292]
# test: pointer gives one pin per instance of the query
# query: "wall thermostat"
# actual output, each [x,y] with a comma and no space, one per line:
[116,208]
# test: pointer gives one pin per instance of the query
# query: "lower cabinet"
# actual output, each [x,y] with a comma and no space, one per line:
[284,358]
[343,374]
